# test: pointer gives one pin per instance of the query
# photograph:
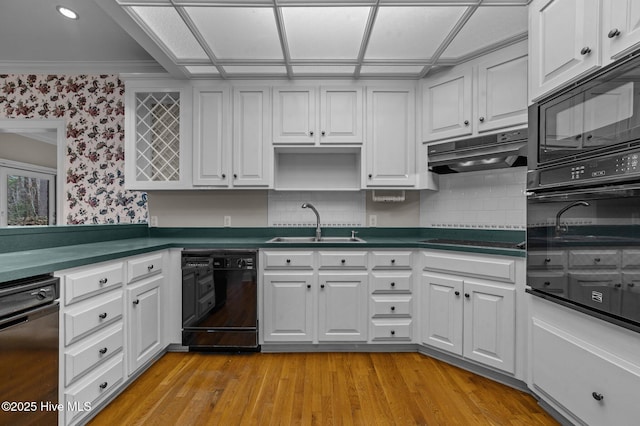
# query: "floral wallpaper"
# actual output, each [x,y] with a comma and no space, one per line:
[93,107]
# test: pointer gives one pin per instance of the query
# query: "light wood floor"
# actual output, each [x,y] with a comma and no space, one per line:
[316,389]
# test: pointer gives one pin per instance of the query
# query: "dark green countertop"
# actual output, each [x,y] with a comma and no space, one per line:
[35,261]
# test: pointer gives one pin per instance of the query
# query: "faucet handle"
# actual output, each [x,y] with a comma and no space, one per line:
[353,234]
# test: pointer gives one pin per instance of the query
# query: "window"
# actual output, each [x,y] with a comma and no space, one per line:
[27,194]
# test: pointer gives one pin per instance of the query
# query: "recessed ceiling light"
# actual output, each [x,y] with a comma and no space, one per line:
[66,12]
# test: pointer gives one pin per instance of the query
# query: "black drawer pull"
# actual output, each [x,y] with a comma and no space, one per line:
[102,315]
[547,260]
[547,283]
[150,268]
[597,396]
[393,261]
[393,308]
[135,302]
[104,385]
[103,281]
[103,351]
[631,284]
[343,261]
[597,259]
[393,284]
[288,260]
[393,332]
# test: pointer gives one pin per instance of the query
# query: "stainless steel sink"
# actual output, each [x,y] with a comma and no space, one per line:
[314,240]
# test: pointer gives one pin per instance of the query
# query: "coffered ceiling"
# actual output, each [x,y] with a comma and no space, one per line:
[317,38]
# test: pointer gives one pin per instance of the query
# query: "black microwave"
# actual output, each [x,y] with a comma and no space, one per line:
[600,114]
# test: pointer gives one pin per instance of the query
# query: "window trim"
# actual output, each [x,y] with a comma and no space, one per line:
[8,167]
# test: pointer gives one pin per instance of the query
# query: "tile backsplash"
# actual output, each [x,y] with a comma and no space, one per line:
[336,209]
[489,199]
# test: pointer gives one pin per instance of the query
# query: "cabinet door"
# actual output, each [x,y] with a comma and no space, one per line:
[621,28]
[288,308]
[211,136]
[502,93]
[157,128]
[341,115]
[342,307]
[252,151]
[446,106]
[390,137]
[145,331]
[294,115]
[564,40]
[442,312]
[489,325]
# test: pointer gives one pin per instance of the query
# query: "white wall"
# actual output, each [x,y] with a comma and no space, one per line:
[489,199]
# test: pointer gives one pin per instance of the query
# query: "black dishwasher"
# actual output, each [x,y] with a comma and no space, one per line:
[219,300]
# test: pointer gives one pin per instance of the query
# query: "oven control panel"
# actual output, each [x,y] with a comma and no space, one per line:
[621,164]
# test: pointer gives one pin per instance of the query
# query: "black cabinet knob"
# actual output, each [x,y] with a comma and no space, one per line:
[311,133]
[585,50]
[467,295]
[102,315]
[393,332]
[103,351]
[135,302]
[466,122]
[370,175]
[631,284]
[393,261]
[613,33]
[547,260]
[343,261]
[103,281]
[308,285]
[547,283]
[596,259]
[235,176]
[597,396]
[617,285]
[481,119]
[288,260]
[104,385]
[457,293]
[393,284]
[321,285]
[150,268]
[323,133]
[224,176]
[393,308]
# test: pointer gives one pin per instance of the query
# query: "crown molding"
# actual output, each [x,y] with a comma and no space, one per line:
[79,67]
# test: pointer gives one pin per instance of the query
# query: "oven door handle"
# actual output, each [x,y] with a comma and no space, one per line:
[583,193]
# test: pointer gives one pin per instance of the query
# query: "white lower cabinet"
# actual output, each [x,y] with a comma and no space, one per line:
[108,331]
[470,317]
[288,307]
[145,331]
[342,306]
[585,368]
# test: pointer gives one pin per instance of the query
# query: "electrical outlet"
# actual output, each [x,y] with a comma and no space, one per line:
[153,221]
[227,221]
[373,220]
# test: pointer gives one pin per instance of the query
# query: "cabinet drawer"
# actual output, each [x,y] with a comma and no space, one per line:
[81,285]
[92,315]
[343,259]
[631,258]
[596,386]
[288,260]
[593,258]
[391,330]
[206,303]
[391,306]
[391,259]
[391,282]
[205,286]
[144,266]
[96,350]
[551,282]
[87,393]
[556,259]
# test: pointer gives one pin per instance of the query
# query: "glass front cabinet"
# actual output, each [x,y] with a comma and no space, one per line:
[157,135]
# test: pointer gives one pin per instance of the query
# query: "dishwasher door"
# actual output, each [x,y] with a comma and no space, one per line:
[29,366]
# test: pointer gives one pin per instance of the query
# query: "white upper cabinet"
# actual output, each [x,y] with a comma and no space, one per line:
[252,151]
[570,38]
[479,96]
[220,159]
[157,135]
[446,105]
[564,37]
[211,136]
[299,120]
[621,24]
[391,141]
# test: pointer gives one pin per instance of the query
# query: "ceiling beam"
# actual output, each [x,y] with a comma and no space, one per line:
[373,14]
[282,35]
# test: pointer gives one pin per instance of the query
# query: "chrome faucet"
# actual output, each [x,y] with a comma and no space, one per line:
[318,230]
[559,228]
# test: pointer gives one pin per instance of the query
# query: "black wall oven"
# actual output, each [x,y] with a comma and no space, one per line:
[583,197]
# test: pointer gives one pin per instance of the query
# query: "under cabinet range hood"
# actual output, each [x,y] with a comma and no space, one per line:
[495,151]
